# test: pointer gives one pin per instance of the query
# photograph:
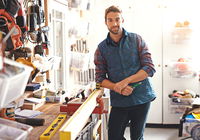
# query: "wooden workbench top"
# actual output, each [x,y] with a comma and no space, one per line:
[50,112]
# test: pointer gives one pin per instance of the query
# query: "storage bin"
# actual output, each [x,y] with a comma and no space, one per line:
[182,70]
[177,109]
[13,81]
[181,101]
[178,105]
[181,35]
[190,127]
[11,130]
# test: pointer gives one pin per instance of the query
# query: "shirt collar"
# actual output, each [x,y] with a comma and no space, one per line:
[110,41]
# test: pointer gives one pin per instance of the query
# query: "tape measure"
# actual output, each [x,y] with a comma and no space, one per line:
[55,125]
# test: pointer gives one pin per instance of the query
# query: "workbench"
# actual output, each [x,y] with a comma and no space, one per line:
[78,119]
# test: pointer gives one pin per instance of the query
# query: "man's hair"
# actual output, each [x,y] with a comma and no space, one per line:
[112,9]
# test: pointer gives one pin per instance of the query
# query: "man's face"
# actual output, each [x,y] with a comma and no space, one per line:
[114,22]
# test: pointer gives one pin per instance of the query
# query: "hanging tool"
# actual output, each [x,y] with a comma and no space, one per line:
[29,63]
[8,23]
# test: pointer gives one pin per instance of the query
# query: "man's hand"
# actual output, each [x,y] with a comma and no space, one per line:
[119,86]
[127,91]
[123,88]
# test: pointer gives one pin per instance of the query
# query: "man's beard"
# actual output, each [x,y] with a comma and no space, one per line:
[114,31]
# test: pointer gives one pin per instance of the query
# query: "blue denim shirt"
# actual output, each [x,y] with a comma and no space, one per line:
[115,62]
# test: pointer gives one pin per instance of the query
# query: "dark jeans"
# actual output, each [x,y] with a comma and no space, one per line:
[120,117]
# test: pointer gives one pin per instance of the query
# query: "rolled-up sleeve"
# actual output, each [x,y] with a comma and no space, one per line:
[100,66]
[145,57]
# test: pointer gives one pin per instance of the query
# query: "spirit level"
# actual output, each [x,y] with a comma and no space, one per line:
[55,125]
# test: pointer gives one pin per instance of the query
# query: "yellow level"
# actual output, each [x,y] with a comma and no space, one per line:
[55,125]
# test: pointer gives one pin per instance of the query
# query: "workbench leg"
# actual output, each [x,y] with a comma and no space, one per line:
[103,129]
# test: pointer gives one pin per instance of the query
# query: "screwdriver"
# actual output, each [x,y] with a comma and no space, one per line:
[135,85]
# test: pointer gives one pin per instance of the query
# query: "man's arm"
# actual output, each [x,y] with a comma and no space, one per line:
[139,76]
[147,68]
[121,89]
[145,57]
[122,86]
[100,66]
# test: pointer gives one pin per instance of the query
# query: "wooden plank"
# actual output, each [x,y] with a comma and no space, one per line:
[32,106]
[78,120]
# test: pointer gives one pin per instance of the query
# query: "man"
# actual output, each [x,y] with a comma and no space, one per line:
[123,65]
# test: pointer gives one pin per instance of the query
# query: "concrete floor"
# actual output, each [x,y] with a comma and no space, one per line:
[158,134]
